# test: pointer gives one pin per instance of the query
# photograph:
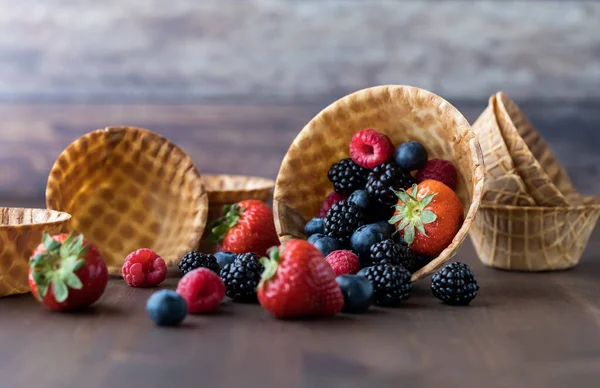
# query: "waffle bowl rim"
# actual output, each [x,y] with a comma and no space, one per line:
[36,224]
[268,185]
[594,204]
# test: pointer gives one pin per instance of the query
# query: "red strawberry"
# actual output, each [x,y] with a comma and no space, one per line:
[343,262]
[246,227]
[428,216]
[329,201]
[298,282]
[202,289]
[370,148]
[67,272]
[144,268]
[438,170]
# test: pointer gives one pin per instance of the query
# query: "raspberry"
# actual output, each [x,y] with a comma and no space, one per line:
[202,289]
[329,201]
[370,148]
[343,262]
[144,268]
[438,170]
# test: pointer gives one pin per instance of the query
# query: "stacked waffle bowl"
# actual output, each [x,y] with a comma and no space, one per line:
[531,217]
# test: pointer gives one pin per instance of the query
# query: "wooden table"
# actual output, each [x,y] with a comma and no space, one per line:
[523,330]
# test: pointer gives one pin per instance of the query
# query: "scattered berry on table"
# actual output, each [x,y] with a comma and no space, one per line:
[391,284]
[314,226]
[388,252]
[166,308]
[455,284]
[364,237]
[411,156]
[224,258]
[193,260]
[370,148]
[343,219]
[357,291]
[439,170]
[313,238]
[347,176]
[343,262]
[298,282]
[242,276]
[327,245]
[360,198]
[384,180]
[144,268]
[202,289]
[329,201]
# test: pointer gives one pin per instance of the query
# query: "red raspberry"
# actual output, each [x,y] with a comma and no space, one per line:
[370,148]
[438,170]
[144,268]
[329,201]
[343,262]
[202,289]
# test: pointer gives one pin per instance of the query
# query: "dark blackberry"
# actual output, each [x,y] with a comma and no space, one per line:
[454,284]
[193,260]
[347,176]
[391,283]
[420,262]
[384,179]
[242,277]
[343,219]
[388,252]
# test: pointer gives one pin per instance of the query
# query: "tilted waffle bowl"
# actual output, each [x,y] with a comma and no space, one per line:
[531,218]
[128,188]
[21,232]
[403,113]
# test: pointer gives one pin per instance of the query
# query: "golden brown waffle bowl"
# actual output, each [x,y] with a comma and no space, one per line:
[128,188]
[528,238]
[21,232]
[403,113]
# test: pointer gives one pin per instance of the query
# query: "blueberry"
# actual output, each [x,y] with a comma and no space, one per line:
[225,258]
[365,236]
[411,156]
[166,308]
[362,272]
[327,245]
[314,226]
[360,198]
[357,291]
[313,238]
[387,228]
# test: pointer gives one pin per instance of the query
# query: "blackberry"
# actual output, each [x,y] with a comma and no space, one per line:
[388,252]
[242,277]
[343,219]
[384,179]
[391,283]
[454,284]
[193,260]
[347,176]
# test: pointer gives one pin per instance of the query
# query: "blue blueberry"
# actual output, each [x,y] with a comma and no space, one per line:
[314,226]
[387,228]
[166,308]
[225,258]
[365,236]
[411,156]
[357,291]
[327,245]
[314,237]
[362,272]
[360,198]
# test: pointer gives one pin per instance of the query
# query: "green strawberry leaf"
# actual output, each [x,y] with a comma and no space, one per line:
[73,281]
[397,218]
[420,228]
[60,289]
[403,196]
[427,217]
[409,234]
[427,200]
[403,224]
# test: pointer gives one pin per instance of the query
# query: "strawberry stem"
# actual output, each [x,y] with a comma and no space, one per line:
[219,227]
[271,264]
[412,213]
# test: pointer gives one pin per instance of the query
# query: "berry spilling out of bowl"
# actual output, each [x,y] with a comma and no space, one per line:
[166,308]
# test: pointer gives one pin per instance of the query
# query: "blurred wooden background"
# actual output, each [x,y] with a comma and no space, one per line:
[233,81]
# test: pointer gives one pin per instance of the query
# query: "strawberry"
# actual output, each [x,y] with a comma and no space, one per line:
[245,227]
[67,272]
[428,216]
[298,282]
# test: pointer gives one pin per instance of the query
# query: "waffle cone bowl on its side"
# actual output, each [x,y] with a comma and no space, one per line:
[403,113]
[21,232]
[129,188]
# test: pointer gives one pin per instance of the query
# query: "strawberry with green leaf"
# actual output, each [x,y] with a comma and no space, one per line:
[428,216]
[67,272]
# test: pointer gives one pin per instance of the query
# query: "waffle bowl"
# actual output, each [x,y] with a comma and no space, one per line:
[403,113]
[128,188]
[21,232]
[534,238]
